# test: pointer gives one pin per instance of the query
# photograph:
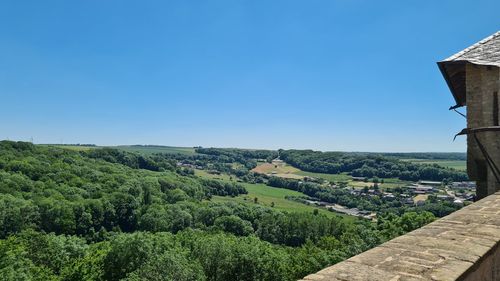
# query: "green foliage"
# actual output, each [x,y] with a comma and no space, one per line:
[171,265]
[367,165]
[129,252]
[15,264]
[16,214]
[391,226]
[102,214]
[70,192]
[90,266]
[234,224]
[239,155]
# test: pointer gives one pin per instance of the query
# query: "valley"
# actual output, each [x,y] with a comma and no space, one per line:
[84,212]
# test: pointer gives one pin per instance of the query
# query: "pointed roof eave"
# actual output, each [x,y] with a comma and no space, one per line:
[484,52]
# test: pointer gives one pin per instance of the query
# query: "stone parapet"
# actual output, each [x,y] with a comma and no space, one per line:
[461,246]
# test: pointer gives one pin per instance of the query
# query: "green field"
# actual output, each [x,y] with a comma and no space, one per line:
[73,147]
[329,177]
[204,174]
[265,196]
[344,177]
[393,182]
[455,164]
[286,171]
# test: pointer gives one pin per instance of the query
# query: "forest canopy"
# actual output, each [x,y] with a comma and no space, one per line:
[367,165]
[107,214]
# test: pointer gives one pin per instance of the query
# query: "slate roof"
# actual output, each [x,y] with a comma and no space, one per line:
[484,52]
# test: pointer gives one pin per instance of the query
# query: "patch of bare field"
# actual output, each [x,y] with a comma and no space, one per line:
[278,169]
[263,168]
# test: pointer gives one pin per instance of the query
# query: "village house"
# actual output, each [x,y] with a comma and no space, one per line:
[463,185]
[445,197]
[420,189]
[431,183]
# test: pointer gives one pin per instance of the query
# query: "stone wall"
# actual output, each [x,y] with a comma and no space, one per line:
[482,82]
[461,246]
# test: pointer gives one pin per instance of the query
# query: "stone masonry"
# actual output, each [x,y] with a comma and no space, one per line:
[461,246]
[482,84]
[473,76]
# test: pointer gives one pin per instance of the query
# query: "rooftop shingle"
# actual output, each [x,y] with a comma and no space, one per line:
[484,52]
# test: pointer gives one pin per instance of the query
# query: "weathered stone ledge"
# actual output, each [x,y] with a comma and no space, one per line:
[461,246]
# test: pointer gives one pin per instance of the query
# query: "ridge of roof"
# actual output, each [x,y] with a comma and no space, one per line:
[456,57]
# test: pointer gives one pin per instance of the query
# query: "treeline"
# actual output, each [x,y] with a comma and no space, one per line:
[367,165]
[239,155]
[232,161]
[132,160]
[75,144]
[460,156]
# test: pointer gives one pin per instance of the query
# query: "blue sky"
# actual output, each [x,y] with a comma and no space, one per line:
[353,75]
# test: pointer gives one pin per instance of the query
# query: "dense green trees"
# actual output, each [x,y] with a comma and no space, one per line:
[110,215]
[367,165]
[234,224]
[391,225]
[67,192]
[16,214]
[428,155]
[239,155]
[188,255]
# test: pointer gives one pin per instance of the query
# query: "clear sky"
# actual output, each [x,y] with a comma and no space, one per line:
[355,75]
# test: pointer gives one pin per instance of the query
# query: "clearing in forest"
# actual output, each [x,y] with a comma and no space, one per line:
[278,168]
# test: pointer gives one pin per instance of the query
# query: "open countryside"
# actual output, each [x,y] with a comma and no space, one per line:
[249,140]
[287,199]
[292,200]
[223,194]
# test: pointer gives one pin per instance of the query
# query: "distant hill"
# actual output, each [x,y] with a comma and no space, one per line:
[149,149]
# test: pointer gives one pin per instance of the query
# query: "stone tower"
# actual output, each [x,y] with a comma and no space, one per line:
[473,76]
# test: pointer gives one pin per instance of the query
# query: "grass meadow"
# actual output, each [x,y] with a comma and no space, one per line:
[455,164]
